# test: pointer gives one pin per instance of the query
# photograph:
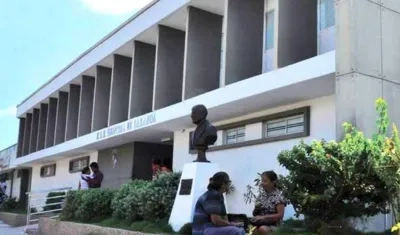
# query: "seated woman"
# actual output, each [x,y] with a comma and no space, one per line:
[270,205]
[210,210]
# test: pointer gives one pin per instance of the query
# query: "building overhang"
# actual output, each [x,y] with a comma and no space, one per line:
[308,79]
[142,27]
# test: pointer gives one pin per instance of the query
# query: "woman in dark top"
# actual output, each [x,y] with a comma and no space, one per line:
[270,205]
[210,210]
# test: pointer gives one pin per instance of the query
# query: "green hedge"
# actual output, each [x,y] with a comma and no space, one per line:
[87,205]
[136,201]
[127,201]
[146,200]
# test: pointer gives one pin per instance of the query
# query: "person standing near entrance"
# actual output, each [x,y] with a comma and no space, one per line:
[97,176]
[83,185]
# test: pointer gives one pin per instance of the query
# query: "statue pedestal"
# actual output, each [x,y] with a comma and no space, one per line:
[194,180]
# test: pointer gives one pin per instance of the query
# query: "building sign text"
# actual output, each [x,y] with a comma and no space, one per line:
[127,126]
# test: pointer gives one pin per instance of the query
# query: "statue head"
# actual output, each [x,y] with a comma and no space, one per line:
[199,113]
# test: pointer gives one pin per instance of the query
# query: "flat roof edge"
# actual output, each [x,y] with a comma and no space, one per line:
[105,38]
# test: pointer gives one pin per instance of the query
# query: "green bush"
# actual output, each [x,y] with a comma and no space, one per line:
[72,201]
[88,205]
[331,182]
[136,201]
[158,199]
[10,204]
[94,203]
[54,200]
[146,200]
[126,202]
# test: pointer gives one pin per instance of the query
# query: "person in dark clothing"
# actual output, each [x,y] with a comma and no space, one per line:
[210,210]
[97,176]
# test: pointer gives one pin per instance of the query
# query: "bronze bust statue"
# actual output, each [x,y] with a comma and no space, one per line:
[205,133]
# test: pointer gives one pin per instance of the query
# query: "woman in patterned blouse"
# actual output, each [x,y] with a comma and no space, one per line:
[270,205]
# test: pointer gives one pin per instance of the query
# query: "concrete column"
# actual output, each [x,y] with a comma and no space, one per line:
[169,67]
[71,130]
[297,31]
[142,82]
[27,134]
[86,106]
[61,118]
[42,126]
[51,122]
[120,86]
[366,62]
[34,131]
[203,52]
[101,98]
[21,132]
[243,40]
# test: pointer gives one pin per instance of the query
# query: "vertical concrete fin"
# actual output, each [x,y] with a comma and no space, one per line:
[21,132]
[27,134]
[202,52]
[244,39]
[51,122]
[101,98]
[169,67]
[297,34]
[61,118]
[34,131]
[42,126]
[71,131]
[142,81]
[120,87]
[86,106]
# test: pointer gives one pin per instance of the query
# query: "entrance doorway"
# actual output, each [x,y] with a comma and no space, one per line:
[146,154]
[25,186]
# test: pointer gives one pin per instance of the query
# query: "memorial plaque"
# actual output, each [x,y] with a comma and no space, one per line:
[186,187]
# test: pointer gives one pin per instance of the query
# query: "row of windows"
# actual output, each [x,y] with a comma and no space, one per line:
[272,128]
[75,165]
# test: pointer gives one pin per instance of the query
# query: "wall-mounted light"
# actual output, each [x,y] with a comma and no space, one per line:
[114,157]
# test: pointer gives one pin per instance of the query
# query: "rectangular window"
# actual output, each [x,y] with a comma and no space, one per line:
[235,135]
[77,165]
[269,30]
[326,13]
[284,126]
[47,171]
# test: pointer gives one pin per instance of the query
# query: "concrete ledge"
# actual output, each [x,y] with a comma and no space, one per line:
[48,226]
[14,220]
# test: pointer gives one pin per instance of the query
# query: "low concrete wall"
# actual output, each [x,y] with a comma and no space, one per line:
[48,226]
[14,220]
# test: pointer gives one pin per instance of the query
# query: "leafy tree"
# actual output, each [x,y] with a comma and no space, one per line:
[332,181]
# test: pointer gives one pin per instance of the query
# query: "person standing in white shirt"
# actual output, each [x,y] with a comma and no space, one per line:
[83,184]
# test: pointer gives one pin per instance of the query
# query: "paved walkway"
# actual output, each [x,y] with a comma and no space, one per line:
[7,230]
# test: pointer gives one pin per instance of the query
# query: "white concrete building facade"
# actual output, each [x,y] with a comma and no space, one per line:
[271,72]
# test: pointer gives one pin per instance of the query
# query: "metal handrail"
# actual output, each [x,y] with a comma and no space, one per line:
[41,197]
[49,190]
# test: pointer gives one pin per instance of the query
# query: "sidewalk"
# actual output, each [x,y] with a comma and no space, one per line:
[5,229]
